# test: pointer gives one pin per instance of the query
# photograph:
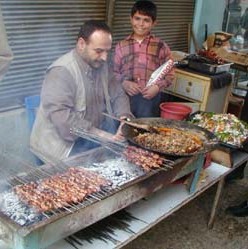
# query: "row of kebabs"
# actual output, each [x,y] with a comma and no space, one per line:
[61,189]
[76,184]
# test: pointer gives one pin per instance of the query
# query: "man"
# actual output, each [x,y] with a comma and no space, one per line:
[137,56]
[77,88]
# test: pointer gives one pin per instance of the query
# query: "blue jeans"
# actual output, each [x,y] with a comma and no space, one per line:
[144,108]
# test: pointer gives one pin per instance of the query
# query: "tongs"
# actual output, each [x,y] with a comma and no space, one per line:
[127,121]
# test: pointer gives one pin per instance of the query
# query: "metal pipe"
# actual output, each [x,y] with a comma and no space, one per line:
[110,12]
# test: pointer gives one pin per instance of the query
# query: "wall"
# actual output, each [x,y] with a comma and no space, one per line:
[208,12]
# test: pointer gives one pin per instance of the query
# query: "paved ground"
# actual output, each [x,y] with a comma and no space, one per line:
[187,228]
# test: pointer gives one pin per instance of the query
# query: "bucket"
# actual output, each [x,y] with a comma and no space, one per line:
[174,110]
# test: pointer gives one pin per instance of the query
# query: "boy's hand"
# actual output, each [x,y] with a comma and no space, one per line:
[131,87]
[150,92]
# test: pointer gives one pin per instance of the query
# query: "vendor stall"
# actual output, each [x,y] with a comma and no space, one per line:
[41,206]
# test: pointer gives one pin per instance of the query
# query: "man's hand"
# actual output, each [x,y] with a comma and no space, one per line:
[131,87]
[119,135]
[150,92]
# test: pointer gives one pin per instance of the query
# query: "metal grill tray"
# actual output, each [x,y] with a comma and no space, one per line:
[85,159]
[209,68]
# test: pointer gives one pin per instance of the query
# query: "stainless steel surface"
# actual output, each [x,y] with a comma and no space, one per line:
[209,68]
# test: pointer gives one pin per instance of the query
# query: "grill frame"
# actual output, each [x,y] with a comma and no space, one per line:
[48,231]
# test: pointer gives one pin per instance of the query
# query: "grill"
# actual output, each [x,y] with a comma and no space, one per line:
[23,225]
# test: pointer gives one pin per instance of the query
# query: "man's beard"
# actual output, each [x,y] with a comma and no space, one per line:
[96,64]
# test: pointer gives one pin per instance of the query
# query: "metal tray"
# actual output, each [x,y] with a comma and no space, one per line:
[208,138]
[209,68]
[243,146]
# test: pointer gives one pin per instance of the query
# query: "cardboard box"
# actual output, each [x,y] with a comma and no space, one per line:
[232,56]
[223,156]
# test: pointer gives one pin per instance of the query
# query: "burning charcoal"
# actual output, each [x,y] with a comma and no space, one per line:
[12,207]
[117,170]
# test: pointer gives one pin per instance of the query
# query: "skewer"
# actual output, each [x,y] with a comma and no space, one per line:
[75,239]
[94,197]
[67,209]
[128,122]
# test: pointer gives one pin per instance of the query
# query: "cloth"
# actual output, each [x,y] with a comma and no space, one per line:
[73,94]
[220,80]
[136,62]
[6,55]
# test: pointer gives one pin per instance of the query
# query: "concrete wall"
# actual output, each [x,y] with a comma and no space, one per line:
[208,12]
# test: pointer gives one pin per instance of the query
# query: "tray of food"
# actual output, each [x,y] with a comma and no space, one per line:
[173,137]
[207,65]
[209,68]
[230,131]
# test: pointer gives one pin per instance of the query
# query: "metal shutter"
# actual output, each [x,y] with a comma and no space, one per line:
[174,17]
[39,31]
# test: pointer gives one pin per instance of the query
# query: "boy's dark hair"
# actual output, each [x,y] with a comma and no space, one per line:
[145,7]
[89,27]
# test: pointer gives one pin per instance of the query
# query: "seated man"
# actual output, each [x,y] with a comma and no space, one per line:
[78,87]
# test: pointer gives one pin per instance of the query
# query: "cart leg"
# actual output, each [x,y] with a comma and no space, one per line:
[216,202]
[200,162]
[28,242]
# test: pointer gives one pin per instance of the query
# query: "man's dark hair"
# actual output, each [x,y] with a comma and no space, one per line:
[146,8]
[89,27]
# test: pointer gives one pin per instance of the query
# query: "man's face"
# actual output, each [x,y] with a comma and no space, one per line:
[95,50]
[141,24]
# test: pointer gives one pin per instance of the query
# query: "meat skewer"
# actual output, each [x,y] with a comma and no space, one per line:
[61,190]
[143,158]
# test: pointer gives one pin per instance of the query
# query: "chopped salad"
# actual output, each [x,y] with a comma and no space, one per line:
[227,127]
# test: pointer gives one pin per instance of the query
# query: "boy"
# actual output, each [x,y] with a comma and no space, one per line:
[137,56]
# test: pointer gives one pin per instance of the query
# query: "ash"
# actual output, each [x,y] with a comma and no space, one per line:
[18,211]
[117,170]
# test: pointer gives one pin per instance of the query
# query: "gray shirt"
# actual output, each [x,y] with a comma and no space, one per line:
[58,96]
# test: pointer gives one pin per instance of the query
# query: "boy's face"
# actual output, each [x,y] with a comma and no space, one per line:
[141,24]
